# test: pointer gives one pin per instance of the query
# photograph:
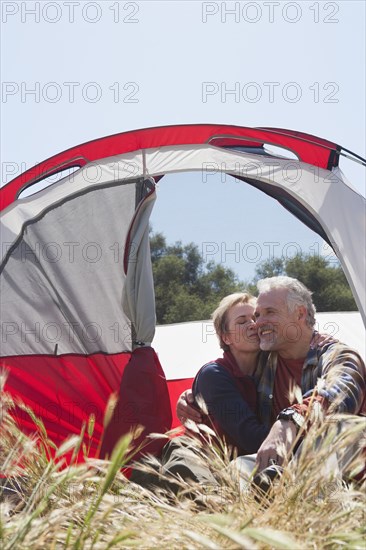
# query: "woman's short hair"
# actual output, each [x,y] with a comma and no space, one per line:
[219,316]
[297,294]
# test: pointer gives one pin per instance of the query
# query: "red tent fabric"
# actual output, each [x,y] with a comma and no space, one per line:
[63,392]
[143,400]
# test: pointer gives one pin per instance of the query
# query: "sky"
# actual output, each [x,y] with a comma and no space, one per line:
[73,71]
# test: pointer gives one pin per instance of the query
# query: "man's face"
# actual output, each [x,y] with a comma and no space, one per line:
[278,328]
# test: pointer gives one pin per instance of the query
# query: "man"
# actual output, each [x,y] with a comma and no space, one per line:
[285,317]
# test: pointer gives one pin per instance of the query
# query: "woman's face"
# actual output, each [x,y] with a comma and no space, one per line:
[241,328]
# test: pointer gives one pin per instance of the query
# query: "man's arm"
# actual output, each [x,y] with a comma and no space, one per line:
[277,444]
[186,410]
[341,389]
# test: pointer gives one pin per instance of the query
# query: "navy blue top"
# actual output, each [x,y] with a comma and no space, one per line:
[228,408]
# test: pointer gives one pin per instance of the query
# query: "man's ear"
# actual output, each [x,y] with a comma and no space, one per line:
[301,313]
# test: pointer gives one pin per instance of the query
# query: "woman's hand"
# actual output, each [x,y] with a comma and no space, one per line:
[186,410]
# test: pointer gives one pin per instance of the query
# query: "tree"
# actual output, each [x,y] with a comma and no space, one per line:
[186,288]
[270,268]
[328,283]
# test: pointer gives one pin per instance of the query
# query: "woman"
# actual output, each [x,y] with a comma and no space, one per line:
[228,389]
[227,385]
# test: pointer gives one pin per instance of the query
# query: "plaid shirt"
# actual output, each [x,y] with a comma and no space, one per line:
[336,370]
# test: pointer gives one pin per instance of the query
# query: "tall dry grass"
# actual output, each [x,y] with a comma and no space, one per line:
[93,505]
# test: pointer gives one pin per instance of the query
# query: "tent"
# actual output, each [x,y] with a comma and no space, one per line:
[77,295]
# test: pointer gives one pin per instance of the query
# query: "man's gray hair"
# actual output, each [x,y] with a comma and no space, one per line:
[297,294]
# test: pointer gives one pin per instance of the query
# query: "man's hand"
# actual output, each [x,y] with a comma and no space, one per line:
[185,410]
[277,444]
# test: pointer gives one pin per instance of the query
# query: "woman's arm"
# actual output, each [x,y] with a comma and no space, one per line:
[228,408]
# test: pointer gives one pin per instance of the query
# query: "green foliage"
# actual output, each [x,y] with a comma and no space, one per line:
[187,289]
[270,268]
[328,283]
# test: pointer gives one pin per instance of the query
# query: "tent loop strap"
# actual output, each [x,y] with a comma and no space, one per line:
[144,168]
[140,344]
